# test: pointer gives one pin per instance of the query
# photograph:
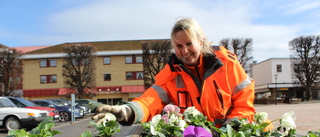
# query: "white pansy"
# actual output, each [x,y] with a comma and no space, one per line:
[288,120]
[173,119]
[108,117]
[260,117]
[154,132]
[153,125]
[182,124]
[155,120]
[192,110]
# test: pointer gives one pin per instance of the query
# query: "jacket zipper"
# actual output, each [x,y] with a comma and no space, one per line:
[219,96]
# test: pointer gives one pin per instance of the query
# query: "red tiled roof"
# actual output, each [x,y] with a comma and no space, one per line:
[28,49]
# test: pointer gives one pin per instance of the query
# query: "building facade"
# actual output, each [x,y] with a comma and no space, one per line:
[274,79]
[119,72]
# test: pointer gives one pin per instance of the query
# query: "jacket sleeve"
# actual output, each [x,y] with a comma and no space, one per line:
[242,88]
[153,99]
[243,101]
[147,106]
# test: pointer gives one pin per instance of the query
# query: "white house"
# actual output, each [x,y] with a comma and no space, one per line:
[274,77]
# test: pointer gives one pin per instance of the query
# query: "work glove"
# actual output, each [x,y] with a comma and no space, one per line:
[123,113]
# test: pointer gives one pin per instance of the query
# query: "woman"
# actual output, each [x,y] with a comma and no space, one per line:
[211,79]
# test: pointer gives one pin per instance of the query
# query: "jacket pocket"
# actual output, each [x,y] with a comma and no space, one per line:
[183,99]
[219,94]
[224,99]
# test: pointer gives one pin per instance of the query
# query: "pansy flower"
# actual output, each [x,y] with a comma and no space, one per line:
[192,131]
[172,109]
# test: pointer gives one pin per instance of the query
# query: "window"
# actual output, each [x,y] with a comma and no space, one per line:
[279,68]
[15,79]
[46,104]
[86,78]
[139,75]
[106,60]
[85,61]
[53,79]
[43,79]
[43,63]
[48,79]
[107,77]
[129,59]
[139,59]
[134,75]
[48,63]
[111,101]
[134,59]
[74,62]
[53,63]
[129,75]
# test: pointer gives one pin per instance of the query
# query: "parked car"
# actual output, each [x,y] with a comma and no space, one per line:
[23,103]
[90,103]
[64,111]
[12,117]
[85,109]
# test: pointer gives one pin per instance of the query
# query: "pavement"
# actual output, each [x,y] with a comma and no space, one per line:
[307,114]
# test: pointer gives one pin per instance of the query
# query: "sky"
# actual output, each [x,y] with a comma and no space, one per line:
[271,24]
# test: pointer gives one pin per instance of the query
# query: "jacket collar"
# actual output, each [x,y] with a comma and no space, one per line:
[210,61]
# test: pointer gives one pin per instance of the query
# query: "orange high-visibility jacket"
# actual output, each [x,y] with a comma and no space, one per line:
[226,91]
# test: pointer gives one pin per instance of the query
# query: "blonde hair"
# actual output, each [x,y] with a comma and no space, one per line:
[194,31]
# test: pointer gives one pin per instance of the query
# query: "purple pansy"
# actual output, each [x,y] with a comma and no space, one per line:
[192,131]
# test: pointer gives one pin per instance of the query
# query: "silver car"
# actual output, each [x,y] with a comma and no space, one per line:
[12,117]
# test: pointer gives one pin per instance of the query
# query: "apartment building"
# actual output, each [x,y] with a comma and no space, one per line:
[119,71]
[274,76]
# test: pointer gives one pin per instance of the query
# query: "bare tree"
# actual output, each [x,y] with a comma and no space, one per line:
[305,59]
[155,56]
[242,48]
[10,71]
[79,68]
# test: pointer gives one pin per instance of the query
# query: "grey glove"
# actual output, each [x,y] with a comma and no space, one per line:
[124,114]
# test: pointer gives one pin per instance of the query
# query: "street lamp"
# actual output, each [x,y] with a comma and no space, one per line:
[276,77]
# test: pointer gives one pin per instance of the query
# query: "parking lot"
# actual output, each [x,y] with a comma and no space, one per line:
[61,125]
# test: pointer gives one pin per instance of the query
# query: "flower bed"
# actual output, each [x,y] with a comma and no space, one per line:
[191,123]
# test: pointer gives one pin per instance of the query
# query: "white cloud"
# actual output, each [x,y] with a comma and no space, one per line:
[126,20]
[299,6]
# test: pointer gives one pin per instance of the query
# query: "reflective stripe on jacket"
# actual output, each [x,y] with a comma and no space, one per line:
[225,92]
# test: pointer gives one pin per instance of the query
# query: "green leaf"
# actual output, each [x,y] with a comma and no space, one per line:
[86,134]
[17,133]
[93,124]
[230,131]
[264,125]
[276,134]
